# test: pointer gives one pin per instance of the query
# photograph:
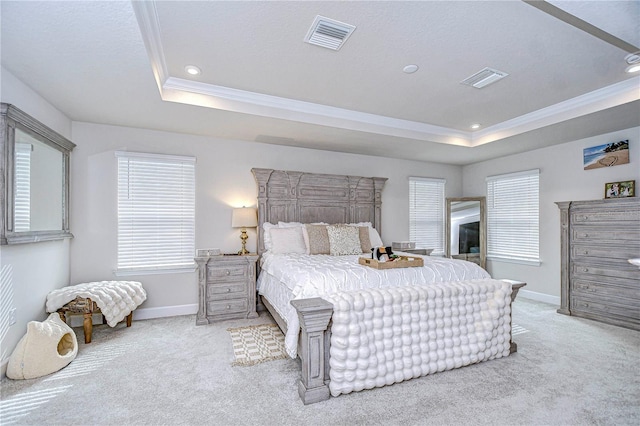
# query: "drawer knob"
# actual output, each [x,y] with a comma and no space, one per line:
[228,306]
[585,235]
[586,252]
[585,269]
[228,272]
[228,290]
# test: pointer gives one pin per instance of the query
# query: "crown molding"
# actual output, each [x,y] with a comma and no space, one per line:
[149,23]
[229,99]
[174,89]
[598,100]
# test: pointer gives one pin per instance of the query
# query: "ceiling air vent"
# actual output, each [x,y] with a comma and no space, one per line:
[328,33]
[484,78]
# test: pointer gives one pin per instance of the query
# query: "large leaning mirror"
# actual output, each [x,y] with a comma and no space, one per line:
[34,168]
[466,227]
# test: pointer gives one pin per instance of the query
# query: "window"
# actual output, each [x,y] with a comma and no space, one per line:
[426,213]
[513,217]
[22,206]
[156,212]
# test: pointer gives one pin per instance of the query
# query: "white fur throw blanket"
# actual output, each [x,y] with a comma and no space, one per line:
[387,335]
[116,299]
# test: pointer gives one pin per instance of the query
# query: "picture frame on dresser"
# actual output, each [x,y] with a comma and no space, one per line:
[622,189]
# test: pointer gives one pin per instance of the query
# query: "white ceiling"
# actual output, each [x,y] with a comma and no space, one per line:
[120,63]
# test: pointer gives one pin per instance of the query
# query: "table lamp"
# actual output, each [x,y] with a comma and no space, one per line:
[242,218]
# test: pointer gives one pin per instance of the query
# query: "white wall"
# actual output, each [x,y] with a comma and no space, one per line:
[562,178]
[30,271]
[223,181]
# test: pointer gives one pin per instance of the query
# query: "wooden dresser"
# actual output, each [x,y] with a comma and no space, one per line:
[597,281]
[226,287]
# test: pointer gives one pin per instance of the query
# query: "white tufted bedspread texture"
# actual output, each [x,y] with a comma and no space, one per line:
[306,276]
[116,299]
[385,336]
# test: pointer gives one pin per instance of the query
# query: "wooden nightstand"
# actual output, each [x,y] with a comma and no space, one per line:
[226,287]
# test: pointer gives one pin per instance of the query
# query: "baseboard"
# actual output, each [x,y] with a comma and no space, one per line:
[165,311]
[540,297]
[141,314]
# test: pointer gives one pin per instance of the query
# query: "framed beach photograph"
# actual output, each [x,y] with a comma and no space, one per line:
[622,189]
[607,155]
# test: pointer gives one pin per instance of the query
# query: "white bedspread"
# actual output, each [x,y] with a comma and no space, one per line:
[116,299]
[384,336]
[307,276]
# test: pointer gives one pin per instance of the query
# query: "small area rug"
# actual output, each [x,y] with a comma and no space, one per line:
[257,343]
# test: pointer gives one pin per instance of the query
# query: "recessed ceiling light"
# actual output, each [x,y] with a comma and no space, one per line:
[633,59]
[410,69]
[633,68]
[475,126]
[192,70]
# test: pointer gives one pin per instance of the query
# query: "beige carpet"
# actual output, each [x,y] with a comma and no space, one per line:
[257,343]
[168,371]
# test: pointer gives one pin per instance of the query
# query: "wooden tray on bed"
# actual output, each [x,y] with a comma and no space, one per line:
[401,262]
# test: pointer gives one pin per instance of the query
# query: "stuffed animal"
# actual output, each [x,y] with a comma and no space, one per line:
[382,253]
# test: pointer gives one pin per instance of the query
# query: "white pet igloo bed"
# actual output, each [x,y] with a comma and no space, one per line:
[47,347]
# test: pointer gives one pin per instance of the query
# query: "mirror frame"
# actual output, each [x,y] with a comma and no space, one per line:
[13,118]
[483,227]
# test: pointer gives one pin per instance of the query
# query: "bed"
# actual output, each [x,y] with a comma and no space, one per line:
[355,327]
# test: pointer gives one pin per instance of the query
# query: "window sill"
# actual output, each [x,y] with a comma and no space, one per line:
[138,272]
[518,261]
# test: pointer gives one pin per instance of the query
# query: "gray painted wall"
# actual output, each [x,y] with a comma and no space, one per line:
[562,178]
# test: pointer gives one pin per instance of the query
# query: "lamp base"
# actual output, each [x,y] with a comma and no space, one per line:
[244,237]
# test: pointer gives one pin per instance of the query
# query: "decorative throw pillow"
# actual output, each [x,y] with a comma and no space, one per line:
[344,240]
[317,239]
[287,240]
[365,241]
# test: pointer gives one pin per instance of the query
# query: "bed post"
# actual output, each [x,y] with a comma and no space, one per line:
[378,184]
[314,315]
[515,288]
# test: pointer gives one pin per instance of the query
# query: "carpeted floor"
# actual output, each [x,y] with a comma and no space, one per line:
[567,371]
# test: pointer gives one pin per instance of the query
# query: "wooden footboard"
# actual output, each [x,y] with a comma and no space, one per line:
[313,349]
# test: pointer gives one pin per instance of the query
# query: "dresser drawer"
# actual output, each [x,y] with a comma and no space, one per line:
[606,254]
[624,292]
[630,233]
[594,272]
[226,273]
[606,309]
[605,216]
[231,306]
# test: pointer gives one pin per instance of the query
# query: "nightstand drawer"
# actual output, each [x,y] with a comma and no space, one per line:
[230,272]
[227,307]
[221,291]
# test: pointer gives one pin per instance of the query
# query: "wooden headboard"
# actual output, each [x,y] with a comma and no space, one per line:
[290,196]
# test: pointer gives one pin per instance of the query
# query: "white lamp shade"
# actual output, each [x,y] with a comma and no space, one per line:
[245,217]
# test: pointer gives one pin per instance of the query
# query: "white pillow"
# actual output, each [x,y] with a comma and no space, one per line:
[266,235]
[287,240]
[374,237]
[344,240]
[288,224]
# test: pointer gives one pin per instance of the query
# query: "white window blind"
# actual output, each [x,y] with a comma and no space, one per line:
[513,203]
[426,213]
[22,196]
[156,212]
